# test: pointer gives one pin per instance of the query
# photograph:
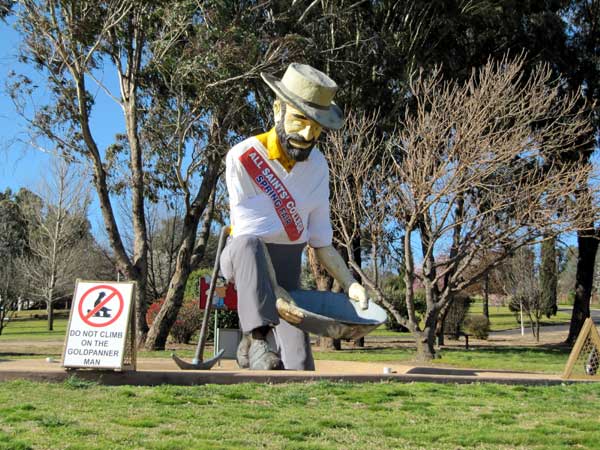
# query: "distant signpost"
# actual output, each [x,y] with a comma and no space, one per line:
[101,326]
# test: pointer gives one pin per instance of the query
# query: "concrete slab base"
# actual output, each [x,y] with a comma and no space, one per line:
[157,371]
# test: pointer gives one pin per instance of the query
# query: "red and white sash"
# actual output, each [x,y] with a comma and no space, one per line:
[268,182]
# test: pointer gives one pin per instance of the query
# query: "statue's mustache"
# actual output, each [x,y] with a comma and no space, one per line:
[298,138]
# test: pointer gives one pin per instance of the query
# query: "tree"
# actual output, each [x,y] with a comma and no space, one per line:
[582,70]
[164,236]
[519,277]
[460,161]
[208,108]
[175,64]
[68,42]
[549,277]
[58,238]
[12,247]
[5,8]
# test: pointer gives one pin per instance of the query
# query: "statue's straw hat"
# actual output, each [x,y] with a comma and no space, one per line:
[310,91]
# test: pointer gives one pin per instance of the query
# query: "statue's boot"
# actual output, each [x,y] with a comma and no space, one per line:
[260,355]
[243,359]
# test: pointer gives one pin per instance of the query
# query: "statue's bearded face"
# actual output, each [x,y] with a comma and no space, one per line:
[296,132]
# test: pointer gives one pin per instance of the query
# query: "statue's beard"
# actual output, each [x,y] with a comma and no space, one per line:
[295,153]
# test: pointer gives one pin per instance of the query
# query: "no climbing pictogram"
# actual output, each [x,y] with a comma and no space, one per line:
[101,305]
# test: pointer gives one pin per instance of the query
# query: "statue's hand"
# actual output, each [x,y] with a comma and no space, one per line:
[358,293]
[286,307]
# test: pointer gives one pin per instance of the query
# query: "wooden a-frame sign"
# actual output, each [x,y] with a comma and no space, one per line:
[101,330]
[591,356]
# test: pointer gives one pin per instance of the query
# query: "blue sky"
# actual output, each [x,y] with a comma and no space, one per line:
[20,164]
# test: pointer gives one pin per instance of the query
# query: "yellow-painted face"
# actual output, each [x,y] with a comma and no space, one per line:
[297,132]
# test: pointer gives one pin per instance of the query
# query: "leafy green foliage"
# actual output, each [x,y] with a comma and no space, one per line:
[477,325]
[192,287]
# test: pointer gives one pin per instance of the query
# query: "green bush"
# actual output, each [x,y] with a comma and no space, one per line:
[192,287]
[478,326]
[227,319]
[457,311]
[395,293]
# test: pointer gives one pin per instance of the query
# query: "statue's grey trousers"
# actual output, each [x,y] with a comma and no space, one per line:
[243,263]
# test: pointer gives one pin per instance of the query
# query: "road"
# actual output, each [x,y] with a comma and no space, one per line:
[594,313]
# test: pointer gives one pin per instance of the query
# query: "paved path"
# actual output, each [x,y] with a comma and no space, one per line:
[156,371]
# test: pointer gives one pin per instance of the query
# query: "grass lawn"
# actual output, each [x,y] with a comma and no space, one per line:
[25,327]
[323,415]
[501,318]
[520,359]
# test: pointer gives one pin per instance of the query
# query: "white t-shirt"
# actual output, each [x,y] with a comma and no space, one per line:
[252,212]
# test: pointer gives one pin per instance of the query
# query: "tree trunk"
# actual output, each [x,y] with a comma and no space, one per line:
[50,311]
[486,296]
[425,348]
[324,282]
[166,317]
[426,338]
[549,277]
[587,244]
[157,336]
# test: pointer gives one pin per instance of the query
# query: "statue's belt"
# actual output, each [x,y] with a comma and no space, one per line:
[267,181]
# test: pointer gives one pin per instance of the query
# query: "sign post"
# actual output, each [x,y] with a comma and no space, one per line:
[101,332]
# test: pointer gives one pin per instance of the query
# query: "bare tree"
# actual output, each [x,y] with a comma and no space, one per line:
[358,182]
[476,173]
[520,280]
[360,191]
[58,237]
[164,236]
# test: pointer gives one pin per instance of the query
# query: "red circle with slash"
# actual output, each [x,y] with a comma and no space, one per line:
[113,295]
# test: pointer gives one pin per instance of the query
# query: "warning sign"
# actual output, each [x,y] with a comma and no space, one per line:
[98,325]
[94,308]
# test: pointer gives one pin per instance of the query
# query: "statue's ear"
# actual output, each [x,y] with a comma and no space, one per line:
[276,110]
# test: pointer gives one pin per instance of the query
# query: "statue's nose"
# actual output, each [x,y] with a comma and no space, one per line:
[308,133]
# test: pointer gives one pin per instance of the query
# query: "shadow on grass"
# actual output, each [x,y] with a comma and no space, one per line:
[53,333]
[556,349]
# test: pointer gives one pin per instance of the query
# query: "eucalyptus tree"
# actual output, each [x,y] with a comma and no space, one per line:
[582,70]
[71,43]
[209,72]
[180,70]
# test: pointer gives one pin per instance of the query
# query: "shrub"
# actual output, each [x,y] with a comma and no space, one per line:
[187,323]
[478,326]
[192,287]
[457,311]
